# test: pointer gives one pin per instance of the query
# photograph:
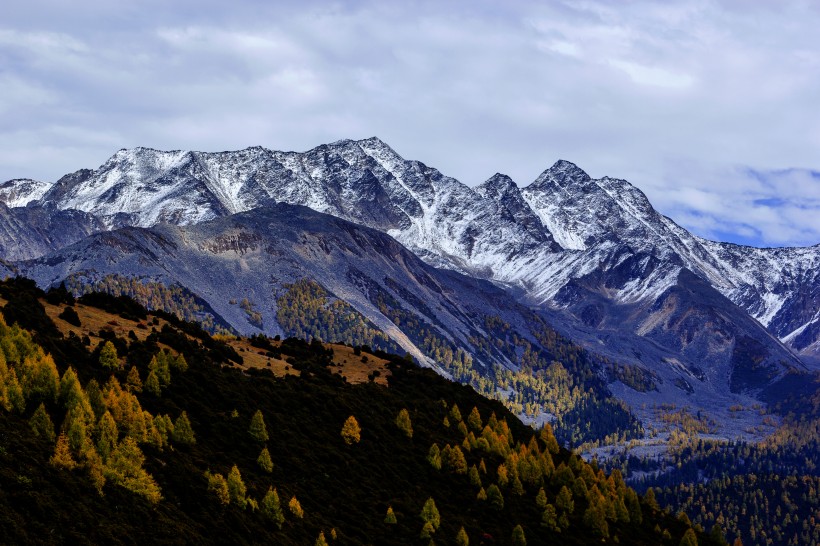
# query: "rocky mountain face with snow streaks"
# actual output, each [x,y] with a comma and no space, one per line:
[593,254]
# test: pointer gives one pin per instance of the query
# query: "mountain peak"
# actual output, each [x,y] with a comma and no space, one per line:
[373,141]
[563,173]
[497,183]
[21,191]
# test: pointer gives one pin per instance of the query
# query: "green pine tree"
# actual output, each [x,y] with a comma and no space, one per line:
[495,498]
[272,509]
[236,487]
[264,461]
[133,382]
[108,357]
[219,487]
[107,435]
[429,513]
[462,539]
[183,432]
[41,423]
[152,384]
[404,424]
[257,429]
[518,537]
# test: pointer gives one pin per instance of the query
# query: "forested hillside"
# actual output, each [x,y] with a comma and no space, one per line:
[120,426]
[760,493]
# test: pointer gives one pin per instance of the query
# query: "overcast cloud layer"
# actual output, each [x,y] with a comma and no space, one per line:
[711,108]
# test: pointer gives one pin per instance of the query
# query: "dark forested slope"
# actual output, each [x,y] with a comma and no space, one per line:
[123,427]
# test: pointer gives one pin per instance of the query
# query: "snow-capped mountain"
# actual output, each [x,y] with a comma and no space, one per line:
[700,317]
[20,192]
[563,226]
[258,255]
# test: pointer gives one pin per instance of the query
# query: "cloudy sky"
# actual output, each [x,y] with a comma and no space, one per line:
[711,108]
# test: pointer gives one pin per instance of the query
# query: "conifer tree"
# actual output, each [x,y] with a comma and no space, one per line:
[429,513]
[434,457]
[482,495]
[564,502]
[179,363]
[124,468]
[13,398]
[595,519]
[456,461]
[257,429]
[474,420]
[62,454]
[548,437]
[475,479]
[541,499]
[351,432]
[152,384]
[495,498]
[165,427]
[518,537]
[462,428]
[133,382]
[41,423]
[320,541]
[404,424]
[579,489]
[76,429]
[390,517]
[107,435]
[649,499]
[108,357]
[219,486]
[183,433]
[462,539]
[236,487]
[689,538]
[96,470]
[503,475]
[159,365]
[295,507]
[455,414]
[517,487]
[549,518]
[95,398]
[633,506]
[264,461]
[70,389]
[40,379]
[272,509]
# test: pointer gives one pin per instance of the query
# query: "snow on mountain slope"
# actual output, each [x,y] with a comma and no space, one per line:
[255,256]
[538,240]
[20,192]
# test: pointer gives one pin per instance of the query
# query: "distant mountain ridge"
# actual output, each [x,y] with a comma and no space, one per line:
[490,231]
[614,274]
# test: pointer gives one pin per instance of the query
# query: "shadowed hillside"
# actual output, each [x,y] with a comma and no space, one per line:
[166,435]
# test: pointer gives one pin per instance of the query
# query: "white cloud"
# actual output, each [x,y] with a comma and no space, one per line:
[671,96]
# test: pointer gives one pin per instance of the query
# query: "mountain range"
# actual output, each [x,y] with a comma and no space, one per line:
[444,271]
